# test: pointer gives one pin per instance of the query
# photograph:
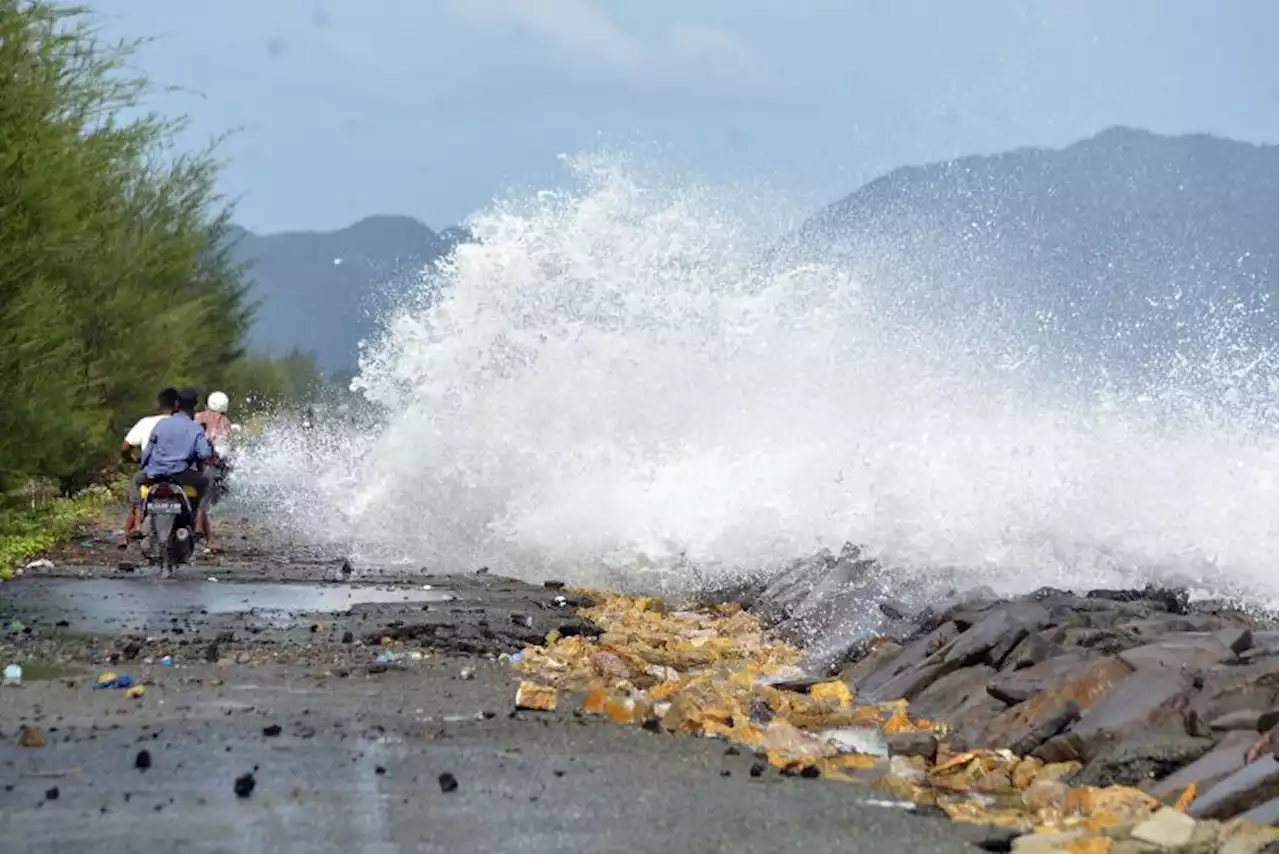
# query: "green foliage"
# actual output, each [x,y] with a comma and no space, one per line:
[26,531]
[116,272]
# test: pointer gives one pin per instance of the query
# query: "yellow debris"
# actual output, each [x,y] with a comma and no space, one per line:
[1184,800]
[535,697]
[708,672]
[135,691]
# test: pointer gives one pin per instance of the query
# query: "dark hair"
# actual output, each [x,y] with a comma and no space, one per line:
[167,398]
[187,398]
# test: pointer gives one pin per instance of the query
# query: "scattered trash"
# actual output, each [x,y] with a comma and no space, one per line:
[535,697]
[167,661]
[42,563]
[13,674]
[448,783]
[467,673]
[426,587]
[29,736]
[244,785]
[386,658]
[561,601]
[113,680]
[212,579]
[17,626]
[86,544]
[136,692]
[515,658]
[143,760]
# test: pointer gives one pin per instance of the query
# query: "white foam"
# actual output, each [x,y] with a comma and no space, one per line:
[613,381]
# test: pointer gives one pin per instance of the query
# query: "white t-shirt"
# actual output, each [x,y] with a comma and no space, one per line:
[139,433]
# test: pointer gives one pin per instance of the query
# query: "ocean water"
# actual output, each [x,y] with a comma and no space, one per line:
[620,385]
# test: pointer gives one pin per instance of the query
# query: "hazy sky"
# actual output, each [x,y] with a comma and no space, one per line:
[344,108]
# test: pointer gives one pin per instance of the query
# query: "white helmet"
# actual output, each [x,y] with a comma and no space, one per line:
[217,402]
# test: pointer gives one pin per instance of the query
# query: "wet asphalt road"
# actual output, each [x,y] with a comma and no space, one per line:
[356,763]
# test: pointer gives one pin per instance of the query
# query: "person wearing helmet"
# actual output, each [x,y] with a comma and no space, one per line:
[213,418]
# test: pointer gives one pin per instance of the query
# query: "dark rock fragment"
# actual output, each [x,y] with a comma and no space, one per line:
[143,760]
[244,785]
[922,744]
[271,731]
[448,783]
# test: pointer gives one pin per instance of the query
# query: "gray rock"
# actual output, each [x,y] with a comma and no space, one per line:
[922,744]
[1146,756]
[1184,650]
[1034,649]
[912,656]
[1266,813]
[855,674]
[1242,791]
[1221,762]
[1235,638]
[1014,688]
[1248,719]
[905,685]
[944,698]
[1002,628]
[1139,703]
[1049,727]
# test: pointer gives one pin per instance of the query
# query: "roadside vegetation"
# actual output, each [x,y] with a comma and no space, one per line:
[116,272]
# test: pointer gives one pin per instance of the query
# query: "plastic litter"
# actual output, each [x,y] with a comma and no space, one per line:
[167,661]
[42,563]
[113,680]
[13,674]
[135,691]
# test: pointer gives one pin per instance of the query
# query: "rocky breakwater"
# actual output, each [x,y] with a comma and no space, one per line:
[1129,722]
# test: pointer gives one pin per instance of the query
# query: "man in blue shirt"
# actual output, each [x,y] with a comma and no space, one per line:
[177,450]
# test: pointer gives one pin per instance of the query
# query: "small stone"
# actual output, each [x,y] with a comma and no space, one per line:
[448,783]
[909,768]
[348,637]
[1243,790]
[1045,795]
[244,785]
[271,731]
[922,744]
[467,673]
[757,769]
[143,760]
[379,770]
[1167,827]
[29,736]
[52,794]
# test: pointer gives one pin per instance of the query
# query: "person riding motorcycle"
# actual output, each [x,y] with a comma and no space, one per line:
[219,430]
[213,418]
[135,441]
[178,450]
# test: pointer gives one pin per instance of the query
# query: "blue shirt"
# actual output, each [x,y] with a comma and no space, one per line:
[174,444]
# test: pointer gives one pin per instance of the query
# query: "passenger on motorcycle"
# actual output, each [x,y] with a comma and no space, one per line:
[213,418]
[136,440]
[178,450]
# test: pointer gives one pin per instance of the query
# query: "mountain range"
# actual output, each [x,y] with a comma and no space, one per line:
[1093,241]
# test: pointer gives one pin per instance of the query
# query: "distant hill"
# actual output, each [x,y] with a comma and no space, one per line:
[321,291]
[1110,249]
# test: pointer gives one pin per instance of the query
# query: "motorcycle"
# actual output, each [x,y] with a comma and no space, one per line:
[169,522]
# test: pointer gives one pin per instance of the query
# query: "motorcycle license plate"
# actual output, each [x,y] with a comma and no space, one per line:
[168,508]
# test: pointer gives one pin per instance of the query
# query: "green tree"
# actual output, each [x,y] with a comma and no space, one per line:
[115,277]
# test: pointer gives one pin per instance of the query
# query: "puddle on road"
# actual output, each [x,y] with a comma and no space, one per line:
[106,604]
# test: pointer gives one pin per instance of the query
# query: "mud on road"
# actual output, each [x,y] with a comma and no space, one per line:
[295,703]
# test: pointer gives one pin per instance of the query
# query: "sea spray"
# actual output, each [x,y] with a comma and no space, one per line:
[618,384]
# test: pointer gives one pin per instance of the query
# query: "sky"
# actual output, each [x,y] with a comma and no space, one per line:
[333,110]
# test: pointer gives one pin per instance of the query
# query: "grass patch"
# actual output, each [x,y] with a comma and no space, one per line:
[28,529]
